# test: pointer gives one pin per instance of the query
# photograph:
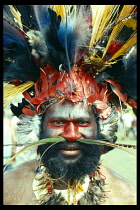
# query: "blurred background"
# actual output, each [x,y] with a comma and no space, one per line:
[122,162]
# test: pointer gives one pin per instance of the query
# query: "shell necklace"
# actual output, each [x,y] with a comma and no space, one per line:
[86,191]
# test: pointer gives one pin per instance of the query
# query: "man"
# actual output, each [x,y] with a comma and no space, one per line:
[58,68]
[71,159]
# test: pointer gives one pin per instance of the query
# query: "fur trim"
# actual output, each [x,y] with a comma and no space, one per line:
[109,126]
[28,129]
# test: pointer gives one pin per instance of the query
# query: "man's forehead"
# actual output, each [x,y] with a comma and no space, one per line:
[69,110]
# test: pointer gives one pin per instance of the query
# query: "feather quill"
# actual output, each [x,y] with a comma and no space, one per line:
[61,139]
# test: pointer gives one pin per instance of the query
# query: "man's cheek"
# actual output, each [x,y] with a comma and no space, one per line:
[50,132]
[88,132]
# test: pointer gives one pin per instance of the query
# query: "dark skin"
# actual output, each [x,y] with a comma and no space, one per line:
[72,121]
[70,159]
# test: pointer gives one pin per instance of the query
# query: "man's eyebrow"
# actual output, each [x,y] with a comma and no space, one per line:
[60,118]
[83,118]
[57,118]
[86,118]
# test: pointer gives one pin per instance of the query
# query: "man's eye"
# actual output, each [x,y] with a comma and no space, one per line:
[58,123]
[83,123]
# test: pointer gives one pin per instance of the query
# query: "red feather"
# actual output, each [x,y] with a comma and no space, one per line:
[113,48]
[116,88]
[92,98]
[26,110]
[132,103]
[27,96]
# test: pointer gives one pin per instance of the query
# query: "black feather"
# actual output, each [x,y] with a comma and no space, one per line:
[53,44]
[60,37]
[28,19]
[18,63]
[125,72]
[17,110]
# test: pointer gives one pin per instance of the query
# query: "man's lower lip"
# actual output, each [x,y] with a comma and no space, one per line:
[70,156]
[70,152]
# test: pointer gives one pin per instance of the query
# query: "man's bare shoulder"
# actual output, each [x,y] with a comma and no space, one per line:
[21,170]
[17,181]
[119,190]
[18,184]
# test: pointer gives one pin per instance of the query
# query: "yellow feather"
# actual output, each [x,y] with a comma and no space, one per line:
[17,15]
[124,13]
[102,15]
[131,23]
[62,10]
[11,91]
[126,47]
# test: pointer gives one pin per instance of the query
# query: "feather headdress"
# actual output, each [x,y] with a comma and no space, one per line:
[73,45]
[77,52]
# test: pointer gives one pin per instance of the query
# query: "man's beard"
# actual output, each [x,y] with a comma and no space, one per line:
[84,165]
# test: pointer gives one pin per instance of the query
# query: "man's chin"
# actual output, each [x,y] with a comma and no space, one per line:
[71,162]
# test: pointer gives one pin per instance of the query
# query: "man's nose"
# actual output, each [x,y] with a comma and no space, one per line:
[71,132]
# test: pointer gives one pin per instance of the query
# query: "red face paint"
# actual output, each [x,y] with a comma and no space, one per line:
[71,132]
[71,121]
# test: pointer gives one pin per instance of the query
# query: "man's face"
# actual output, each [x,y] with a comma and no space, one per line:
[72,158]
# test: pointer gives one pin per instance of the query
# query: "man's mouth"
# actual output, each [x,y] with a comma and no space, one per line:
[70,152]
